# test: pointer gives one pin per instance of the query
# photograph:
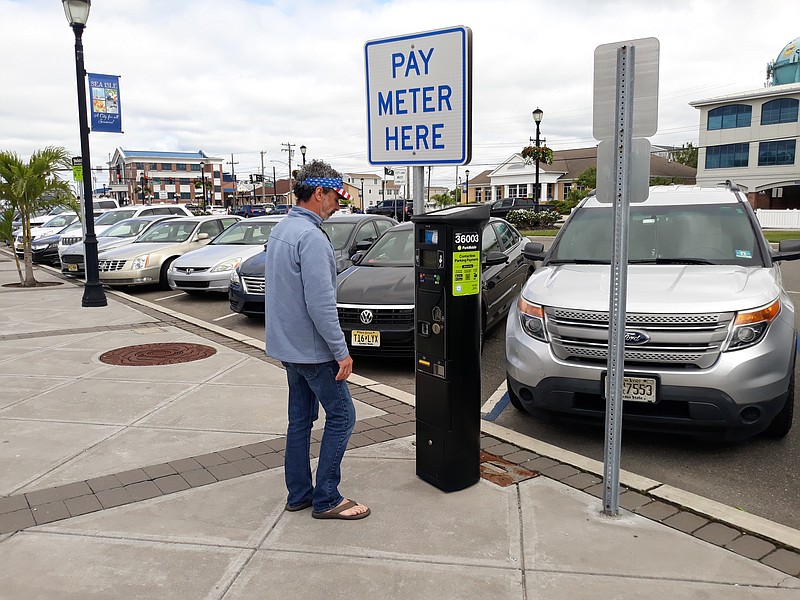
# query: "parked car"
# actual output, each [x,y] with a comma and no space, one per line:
[346,232]
[710,338]
[280,209]
[400,210]
[49,227]
[148,258]
[501,208]
[114,216]
[375,297]
[119,234]
[44,249]
[251,210]
[208,269]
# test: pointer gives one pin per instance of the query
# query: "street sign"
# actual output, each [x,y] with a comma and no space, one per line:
[419,97]
[400,177]
[77,168]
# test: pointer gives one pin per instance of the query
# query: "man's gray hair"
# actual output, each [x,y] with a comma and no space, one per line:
[316,168]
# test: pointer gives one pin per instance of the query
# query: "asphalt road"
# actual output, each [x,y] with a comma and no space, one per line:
[760,476]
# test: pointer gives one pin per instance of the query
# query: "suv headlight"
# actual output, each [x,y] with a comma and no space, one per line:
[140,262]
[750,327]
[228,265]
[531,317]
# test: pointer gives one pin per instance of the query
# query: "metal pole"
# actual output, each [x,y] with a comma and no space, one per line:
[205,191]
[93,294]
[263,181]
[619,281]
[274,185]
[536,194]
[418,188]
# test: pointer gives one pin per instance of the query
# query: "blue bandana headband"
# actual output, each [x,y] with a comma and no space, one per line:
[328,182]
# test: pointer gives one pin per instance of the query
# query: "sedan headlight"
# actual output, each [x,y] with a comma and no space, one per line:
[531,318]
[228,265]
[235,277]
[750,326]
[140,262]
[43,246]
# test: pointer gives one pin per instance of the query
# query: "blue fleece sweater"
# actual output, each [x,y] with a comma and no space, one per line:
[302,324]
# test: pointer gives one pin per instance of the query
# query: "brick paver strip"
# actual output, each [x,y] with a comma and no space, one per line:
[520,456]
[313,449]
[185,464]
[115,497]
[210,460]
[83,505]
[489,442]
[277,444]
[581,480]
[256,449]
[198,477]
[222,472]
[686,522]
[132,476]
[632,500]
[249,465]
[233,454]
[107,482]
[559,472]
[271,460]
[171,484]
[13,503]
[161,470]
[144,490]
[751,547]
[378,435]
[538,464]
[47,513]
[657,510]
[717,533]
[14,521]
[783,560]
[61,492]
[359,439]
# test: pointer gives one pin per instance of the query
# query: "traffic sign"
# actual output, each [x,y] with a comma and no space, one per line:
[419,93]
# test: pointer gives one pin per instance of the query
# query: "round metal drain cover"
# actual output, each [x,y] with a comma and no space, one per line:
[148,355]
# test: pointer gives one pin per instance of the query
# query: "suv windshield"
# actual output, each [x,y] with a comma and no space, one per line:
[169,232]
[701,233]
[245,233]
[393,249]
[114,216]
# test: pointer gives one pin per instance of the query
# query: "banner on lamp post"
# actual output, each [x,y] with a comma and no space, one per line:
[106,111]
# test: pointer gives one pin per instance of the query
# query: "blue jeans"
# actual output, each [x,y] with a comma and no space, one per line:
[310,385]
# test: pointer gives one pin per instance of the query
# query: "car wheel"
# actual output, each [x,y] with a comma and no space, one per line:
[515,401]
[782,423]
[163,282]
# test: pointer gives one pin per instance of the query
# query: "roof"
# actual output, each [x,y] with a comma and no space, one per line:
[576,161]
[762,92]
[684,194]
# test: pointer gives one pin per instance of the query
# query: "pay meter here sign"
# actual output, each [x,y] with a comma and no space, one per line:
[418,98]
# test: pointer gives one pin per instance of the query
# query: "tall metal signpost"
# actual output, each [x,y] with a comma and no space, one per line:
[419,102]
[624,114]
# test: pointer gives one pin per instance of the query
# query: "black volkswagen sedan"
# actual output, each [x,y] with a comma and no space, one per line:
[375,297]
[346,232]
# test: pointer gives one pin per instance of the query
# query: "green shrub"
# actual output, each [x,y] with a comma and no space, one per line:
[528,219]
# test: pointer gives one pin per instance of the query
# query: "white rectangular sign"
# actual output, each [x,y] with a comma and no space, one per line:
[419,89]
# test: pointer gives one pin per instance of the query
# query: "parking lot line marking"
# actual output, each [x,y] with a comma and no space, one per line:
[498,408]
[168,297]
[225,317]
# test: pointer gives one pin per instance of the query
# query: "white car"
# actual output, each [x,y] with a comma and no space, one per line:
[51,226]
[208,269]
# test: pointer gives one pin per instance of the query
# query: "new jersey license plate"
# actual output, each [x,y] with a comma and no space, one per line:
[365,338]
[636,389]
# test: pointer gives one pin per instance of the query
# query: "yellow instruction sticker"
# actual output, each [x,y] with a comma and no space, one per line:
[466,273]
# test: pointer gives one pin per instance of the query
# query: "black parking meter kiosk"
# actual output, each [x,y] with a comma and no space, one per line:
[447,251]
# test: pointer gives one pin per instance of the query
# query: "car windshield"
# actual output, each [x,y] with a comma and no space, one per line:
[114,216]
[393,249]
[245,233]
[60,221]
[169,232]
[76,225]
[688,234]
[127,228]
[338,233]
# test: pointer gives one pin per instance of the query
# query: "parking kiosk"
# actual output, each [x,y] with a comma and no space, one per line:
[447,249]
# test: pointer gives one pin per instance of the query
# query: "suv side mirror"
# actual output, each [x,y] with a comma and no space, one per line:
[533,251]
[787,250]
[362,246]
[494,258]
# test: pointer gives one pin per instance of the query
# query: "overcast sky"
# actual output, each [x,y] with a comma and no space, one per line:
[244,76]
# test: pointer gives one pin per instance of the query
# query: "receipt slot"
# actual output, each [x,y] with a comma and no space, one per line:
[447,254]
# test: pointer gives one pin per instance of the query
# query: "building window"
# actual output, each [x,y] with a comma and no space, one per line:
[139,166]
[517,190]
[166,166]
[195,167]
[727,156]
[180,167]
[776,153]
[730,117]
[782,110]
[153,166]
[478,194]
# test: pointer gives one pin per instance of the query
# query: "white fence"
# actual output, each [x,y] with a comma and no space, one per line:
[778,219]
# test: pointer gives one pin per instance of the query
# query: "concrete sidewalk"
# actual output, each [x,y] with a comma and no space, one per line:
[125,479]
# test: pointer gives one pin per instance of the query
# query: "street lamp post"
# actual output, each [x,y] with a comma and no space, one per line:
[203,175]
[303,152]
[537,118]
[467,186]
[77,12]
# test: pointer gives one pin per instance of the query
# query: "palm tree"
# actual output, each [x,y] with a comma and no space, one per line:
[31,187]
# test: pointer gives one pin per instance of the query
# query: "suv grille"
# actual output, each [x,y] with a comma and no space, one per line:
[68,241]
[253,285]
[675,340]
[111,265]
[400,318]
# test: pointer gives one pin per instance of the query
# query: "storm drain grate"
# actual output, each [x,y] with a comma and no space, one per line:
[503,473]
[148,355]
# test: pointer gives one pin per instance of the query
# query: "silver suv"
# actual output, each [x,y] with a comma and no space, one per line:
[710,337]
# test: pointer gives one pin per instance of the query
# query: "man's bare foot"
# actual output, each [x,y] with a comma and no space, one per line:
[346,509]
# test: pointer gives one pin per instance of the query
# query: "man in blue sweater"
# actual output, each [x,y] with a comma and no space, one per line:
[303,332]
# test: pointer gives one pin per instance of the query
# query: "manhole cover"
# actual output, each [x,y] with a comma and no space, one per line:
[502,472]
[147,355]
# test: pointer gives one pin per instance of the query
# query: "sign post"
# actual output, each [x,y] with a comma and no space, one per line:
[419,96]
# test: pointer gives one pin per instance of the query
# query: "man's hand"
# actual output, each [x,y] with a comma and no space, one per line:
[345,368]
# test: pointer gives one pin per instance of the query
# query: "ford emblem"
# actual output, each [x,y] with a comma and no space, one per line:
[636,338]
[366,317]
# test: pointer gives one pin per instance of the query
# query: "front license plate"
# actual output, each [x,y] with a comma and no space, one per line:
[365,338]
[72,267]
[636,389]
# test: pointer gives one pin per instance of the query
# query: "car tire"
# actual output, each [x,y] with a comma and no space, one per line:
[163,282]
[782,422]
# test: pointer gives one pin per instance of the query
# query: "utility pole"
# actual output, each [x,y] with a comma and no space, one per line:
[263,181]
[290,150]
[274,185]
[233,176]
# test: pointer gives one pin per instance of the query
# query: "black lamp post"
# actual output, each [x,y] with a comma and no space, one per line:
[203,174]
[303,152]
[466,201]
[537,117]
[77,12]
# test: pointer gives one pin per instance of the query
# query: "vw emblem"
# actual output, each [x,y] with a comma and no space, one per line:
[366,317]
[636,338]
